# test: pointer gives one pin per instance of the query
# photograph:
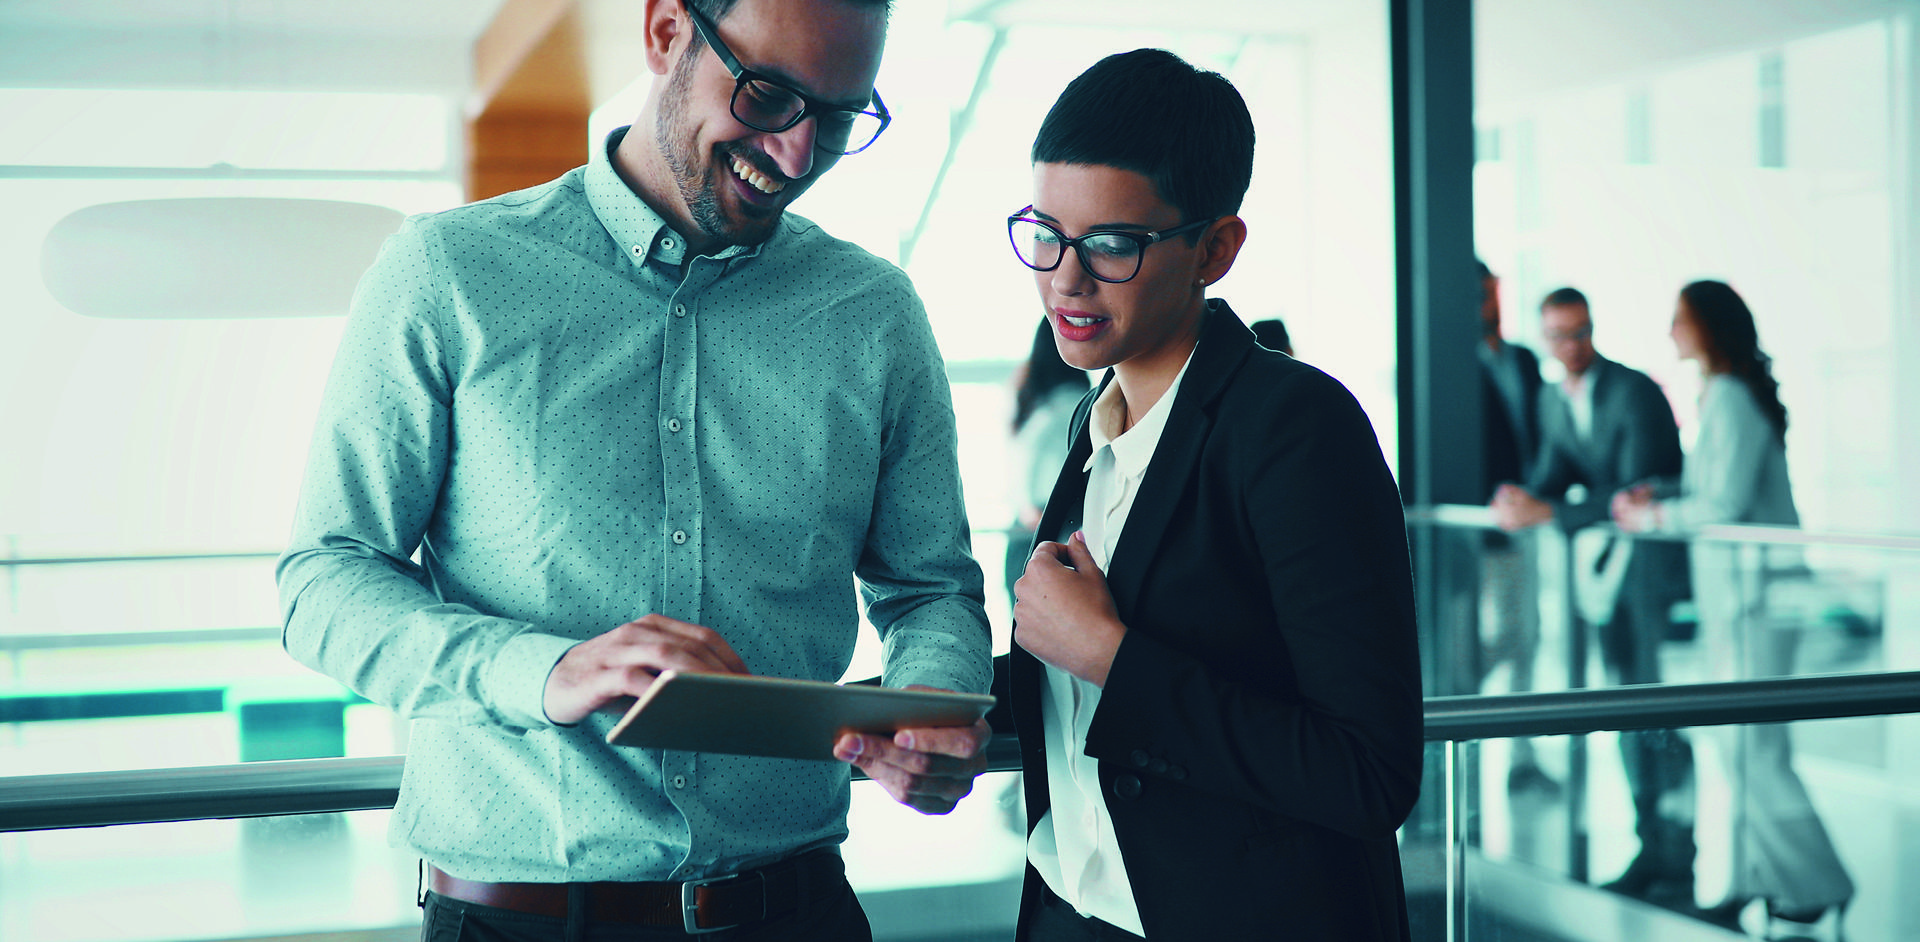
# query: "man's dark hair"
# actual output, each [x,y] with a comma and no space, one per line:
[1185,129]
[1564,297]
[1272,334]
[715,9]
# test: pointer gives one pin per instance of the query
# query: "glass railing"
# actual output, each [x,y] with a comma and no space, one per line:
[118,744]
[1671,821]
[1545,610]
[1483,861]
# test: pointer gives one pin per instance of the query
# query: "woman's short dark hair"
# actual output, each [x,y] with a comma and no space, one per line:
[1185,129]
[1727,328]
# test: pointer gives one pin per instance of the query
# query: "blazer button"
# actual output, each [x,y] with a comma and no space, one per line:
[1126,786]
[1139,758]
[1178,773]
[1157,766]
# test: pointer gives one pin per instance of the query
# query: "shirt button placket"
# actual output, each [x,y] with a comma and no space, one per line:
[680,462]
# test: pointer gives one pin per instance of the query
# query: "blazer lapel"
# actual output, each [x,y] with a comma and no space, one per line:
[1602,419]
[1069,497]
[1224,343]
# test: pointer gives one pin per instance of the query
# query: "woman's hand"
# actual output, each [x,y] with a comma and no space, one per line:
[1063,613]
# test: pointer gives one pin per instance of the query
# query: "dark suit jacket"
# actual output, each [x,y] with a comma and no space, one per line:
[1511,426]
[1259,735]
[1634,439]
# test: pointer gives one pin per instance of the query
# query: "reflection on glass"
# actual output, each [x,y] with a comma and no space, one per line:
[1524,850]
[918,876]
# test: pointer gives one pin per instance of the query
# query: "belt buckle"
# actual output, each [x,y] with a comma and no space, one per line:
[690,904]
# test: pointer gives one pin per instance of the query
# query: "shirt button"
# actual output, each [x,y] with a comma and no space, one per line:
[673,425]
[679,536]
[679,310]
[679,781]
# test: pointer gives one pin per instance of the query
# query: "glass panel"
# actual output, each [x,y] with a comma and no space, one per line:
[1807,814]
[206,880]
[1537,611]
[919,877]
[280,130]
[1775,154]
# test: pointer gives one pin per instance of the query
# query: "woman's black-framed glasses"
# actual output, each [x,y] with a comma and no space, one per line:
[764,104]
[1109,255]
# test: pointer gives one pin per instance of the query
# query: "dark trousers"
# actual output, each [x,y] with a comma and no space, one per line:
[830,916]
[1658,762]
[1055,920]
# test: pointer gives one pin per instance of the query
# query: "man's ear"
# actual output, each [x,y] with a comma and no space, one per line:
[666,30]
[1221,245]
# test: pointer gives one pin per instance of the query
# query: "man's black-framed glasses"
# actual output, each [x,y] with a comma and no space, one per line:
[1109,255]
[765,104]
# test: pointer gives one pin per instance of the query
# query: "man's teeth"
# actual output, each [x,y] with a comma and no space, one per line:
[1080,321]
[755,178]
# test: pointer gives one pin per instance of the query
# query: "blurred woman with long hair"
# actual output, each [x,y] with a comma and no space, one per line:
[1737,473]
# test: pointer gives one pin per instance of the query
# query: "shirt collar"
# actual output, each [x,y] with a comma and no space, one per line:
[1133,448]
[640,232]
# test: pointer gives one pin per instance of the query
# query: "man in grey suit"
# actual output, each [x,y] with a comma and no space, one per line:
[1604,428]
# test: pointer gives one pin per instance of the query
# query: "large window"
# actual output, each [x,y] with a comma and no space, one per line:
[152,463]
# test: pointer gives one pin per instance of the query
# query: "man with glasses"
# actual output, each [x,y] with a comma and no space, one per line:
[1603,428]
[637,419]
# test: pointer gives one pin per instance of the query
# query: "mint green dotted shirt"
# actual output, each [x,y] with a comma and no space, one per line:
[574,426]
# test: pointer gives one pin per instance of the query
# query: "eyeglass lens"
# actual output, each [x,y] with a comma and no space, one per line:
[1108,256]
[764,106]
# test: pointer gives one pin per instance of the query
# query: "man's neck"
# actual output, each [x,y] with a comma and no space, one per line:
[642,168]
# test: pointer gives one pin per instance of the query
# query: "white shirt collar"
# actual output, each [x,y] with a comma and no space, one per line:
[1133,448]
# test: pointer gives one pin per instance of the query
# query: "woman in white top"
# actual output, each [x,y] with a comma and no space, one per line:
[1737,473]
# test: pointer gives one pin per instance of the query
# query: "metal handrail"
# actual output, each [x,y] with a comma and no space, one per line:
[305,786]
[1476,517]
[122,639]
[135,558]
[1672,706]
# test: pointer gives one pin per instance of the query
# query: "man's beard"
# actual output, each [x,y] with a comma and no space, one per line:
[693,176]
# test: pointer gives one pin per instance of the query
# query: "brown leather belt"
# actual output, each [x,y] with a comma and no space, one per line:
[696,906]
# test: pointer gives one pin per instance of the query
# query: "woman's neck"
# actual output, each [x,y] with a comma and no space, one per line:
[1143,384]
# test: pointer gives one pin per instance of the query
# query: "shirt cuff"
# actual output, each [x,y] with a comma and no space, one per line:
[518,677]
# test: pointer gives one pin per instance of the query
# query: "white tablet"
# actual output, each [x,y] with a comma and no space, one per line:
[780,718]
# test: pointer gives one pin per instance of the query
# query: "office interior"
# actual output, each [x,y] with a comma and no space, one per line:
[192,186]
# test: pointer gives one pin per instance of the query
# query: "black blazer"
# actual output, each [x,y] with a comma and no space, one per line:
[1634,439]
[1259,735]
[1510,427]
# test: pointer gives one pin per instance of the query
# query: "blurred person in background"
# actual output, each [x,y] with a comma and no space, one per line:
[1046,390]
[1216,677]
[1272,334]
[1603,428]
[1506,597]
[1737,473]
